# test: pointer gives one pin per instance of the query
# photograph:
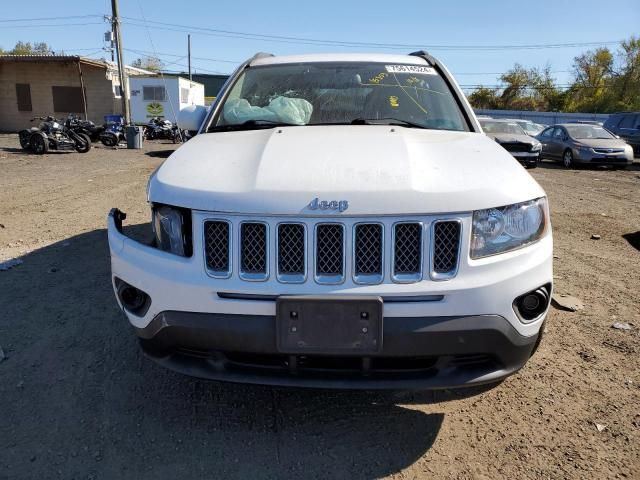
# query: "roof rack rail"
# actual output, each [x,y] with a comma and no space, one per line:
[421,53]
[260,55]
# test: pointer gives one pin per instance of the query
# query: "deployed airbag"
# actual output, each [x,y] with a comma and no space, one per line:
[280,109]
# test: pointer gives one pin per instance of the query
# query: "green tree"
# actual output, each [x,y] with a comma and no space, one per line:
[153,64]
[27,48]
[483,97]
[592,83]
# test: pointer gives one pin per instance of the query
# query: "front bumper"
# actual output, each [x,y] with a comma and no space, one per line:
[420,352]
[590,158]
[527,159]
[459,332]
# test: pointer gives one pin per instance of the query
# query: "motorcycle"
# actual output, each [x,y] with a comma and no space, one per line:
[181,136]
[159,128]
[52,134]
[113,134]
[87,127]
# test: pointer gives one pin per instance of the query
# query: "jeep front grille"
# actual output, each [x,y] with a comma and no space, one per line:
[446,245]
[313,249]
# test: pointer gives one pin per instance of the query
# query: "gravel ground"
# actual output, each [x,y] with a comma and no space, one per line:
[78,400]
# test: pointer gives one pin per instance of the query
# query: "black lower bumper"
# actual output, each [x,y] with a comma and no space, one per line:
[604,162]
[527,161]
[417,353]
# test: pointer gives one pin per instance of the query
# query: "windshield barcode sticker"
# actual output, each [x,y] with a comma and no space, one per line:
[417,69]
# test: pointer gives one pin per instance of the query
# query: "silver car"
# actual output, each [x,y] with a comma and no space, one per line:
[576,143]
[514,139]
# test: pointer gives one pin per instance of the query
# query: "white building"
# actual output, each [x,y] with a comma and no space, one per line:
[162,96]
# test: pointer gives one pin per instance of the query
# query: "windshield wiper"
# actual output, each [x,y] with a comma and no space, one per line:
[386,121]
[251,125]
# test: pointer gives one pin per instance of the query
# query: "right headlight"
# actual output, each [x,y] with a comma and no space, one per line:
[499,230]
[172,229]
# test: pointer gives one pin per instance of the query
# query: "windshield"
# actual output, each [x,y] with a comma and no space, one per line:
[588,131]
[502,127]
[326,93]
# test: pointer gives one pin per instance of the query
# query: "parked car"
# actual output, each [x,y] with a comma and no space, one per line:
[513,139]
[627,126]
[339,221]
[576,143]
[589,122]
[530,128]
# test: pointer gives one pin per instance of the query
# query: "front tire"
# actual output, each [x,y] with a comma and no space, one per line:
[567,159]
[24,139]
[109,139]
[83,143]
[39,143]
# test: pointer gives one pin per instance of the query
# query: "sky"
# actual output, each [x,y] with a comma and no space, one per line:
[477,40]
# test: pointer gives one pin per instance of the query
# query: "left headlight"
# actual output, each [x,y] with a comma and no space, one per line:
[172,229]
[536,147]
[499,230]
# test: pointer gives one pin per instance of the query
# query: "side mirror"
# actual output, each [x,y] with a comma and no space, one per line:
[191,117]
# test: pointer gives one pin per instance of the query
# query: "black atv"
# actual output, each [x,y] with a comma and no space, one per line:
[51,134]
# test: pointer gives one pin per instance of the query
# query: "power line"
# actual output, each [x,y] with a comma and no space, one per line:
[67,17]
[53,25]
[146,52]
[346,43]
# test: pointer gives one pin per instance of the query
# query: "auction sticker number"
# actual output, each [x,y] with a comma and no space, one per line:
[417,69]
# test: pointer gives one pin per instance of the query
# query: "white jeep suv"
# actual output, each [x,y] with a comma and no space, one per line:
[339,221]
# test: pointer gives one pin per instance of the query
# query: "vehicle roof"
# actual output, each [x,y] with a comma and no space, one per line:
[339,57]
[499,120]
[574,124]
[517,120]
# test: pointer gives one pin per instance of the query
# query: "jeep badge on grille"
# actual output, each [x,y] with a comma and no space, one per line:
[340,205]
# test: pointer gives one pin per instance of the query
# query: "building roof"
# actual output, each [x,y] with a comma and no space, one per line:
[7,58]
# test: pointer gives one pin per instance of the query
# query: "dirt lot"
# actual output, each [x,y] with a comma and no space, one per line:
[78,400]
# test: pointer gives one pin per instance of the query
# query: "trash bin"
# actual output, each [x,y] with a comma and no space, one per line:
[134,137]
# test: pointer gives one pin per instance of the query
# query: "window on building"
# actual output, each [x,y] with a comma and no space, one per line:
[184,95]
[117,91]
[67,99]
[23,93]
[154,93]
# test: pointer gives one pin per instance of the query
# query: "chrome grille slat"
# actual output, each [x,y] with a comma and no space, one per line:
[291,253]
[407,252]
[368,253]
[329,253]
[445,250]
[217,237]
[253,250]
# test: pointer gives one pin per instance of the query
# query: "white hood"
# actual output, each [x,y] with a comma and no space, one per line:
[376,169]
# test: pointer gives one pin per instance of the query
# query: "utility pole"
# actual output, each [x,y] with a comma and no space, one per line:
[115,19]
[189,53]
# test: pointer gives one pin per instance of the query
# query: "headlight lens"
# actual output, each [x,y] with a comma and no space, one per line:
[536,147]
[172,229]
[499,230]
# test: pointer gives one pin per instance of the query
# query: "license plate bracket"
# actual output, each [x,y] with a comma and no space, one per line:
[329,325]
